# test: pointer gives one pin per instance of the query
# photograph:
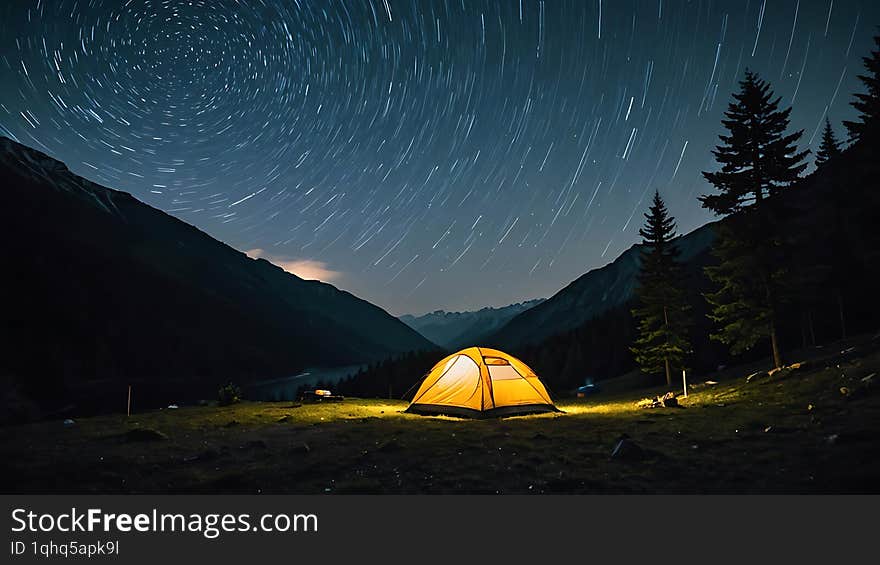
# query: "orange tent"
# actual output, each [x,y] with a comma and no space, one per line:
[478,382]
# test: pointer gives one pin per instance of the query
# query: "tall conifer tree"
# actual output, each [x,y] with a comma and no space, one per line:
[662,312]
[758,159]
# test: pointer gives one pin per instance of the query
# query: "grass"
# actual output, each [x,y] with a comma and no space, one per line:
[793,432]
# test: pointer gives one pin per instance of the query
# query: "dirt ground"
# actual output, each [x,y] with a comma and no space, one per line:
[813,429]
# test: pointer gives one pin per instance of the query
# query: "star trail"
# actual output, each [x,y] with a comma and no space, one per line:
[420,154]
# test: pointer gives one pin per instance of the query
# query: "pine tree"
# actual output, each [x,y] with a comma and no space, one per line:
[868,104]
[662,312]
[758,159]
[829,149]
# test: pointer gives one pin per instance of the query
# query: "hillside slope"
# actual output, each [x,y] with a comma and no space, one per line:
[591,295]
[106,290]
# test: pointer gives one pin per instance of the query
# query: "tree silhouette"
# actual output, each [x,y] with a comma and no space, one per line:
[662,311]
[758,159]
[868,103]
[829,148]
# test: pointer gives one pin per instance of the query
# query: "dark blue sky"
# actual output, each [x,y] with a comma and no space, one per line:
[420,154]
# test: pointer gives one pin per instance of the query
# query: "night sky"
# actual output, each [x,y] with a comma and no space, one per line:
[419,154]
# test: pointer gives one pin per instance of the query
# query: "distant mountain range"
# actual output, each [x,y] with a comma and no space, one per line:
[454,330]
[102,291]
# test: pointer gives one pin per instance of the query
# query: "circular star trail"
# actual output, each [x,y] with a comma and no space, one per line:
[421,154]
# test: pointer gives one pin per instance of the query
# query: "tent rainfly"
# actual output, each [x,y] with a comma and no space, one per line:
[478,382]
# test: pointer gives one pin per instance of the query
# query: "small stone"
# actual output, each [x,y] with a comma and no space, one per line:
[68,422]
[302,448]
[757,375]
[627,449]
[255,444]
[144,435]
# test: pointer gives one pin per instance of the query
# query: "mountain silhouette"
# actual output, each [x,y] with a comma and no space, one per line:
[103,291]
[454,330]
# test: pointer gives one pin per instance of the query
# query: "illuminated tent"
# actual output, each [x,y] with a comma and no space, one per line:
[478,382]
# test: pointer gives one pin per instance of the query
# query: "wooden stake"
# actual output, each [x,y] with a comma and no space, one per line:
[128,411]
[684,381]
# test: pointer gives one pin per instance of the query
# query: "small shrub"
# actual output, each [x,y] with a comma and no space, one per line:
[229,394]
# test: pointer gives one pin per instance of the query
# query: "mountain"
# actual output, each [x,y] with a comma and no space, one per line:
[102,291]
[453,330]
[591,295]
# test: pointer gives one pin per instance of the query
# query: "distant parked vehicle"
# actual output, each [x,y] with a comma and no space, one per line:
[588,390]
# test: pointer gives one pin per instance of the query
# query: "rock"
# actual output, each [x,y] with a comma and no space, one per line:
[757,375]
[780,373]
[668,400]
[254,444]
[144,435]
[302,448]
[173,407]
[68,423]
[628,450]
[285,418]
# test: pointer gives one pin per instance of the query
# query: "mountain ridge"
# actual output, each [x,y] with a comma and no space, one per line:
[453,330]
[110,289]
[590,295]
